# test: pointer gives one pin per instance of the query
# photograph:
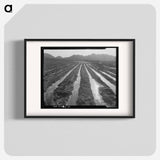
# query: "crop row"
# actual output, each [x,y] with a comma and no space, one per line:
[85,96]
[52,78]
[107,94]
[64,90]
[105,68]
[104,75]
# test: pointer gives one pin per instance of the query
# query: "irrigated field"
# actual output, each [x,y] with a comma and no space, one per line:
[68,83]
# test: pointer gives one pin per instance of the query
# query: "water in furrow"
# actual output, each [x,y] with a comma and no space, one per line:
[73,98]
[95,89]
[48,95]
[108,83]
[108,75]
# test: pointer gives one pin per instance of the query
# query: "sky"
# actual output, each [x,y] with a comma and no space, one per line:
[70,52]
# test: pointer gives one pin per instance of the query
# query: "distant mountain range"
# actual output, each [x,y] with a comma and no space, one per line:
[91,57]
[48,56]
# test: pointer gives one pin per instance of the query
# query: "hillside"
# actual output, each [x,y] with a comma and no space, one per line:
[91,57]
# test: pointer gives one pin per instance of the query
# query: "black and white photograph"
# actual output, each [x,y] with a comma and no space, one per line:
[79,77]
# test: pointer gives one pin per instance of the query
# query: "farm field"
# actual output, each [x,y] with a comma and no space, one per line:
[76,82]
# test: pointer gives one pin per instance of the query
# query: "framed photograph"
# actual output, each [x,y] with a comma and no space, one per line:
[79,78]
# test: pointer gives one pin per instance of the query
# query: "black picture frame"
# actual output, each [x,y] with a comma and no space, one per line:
[25,76]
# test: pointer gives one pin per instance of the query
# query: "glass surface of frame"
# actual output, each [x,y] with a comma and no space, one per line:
[79,78]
